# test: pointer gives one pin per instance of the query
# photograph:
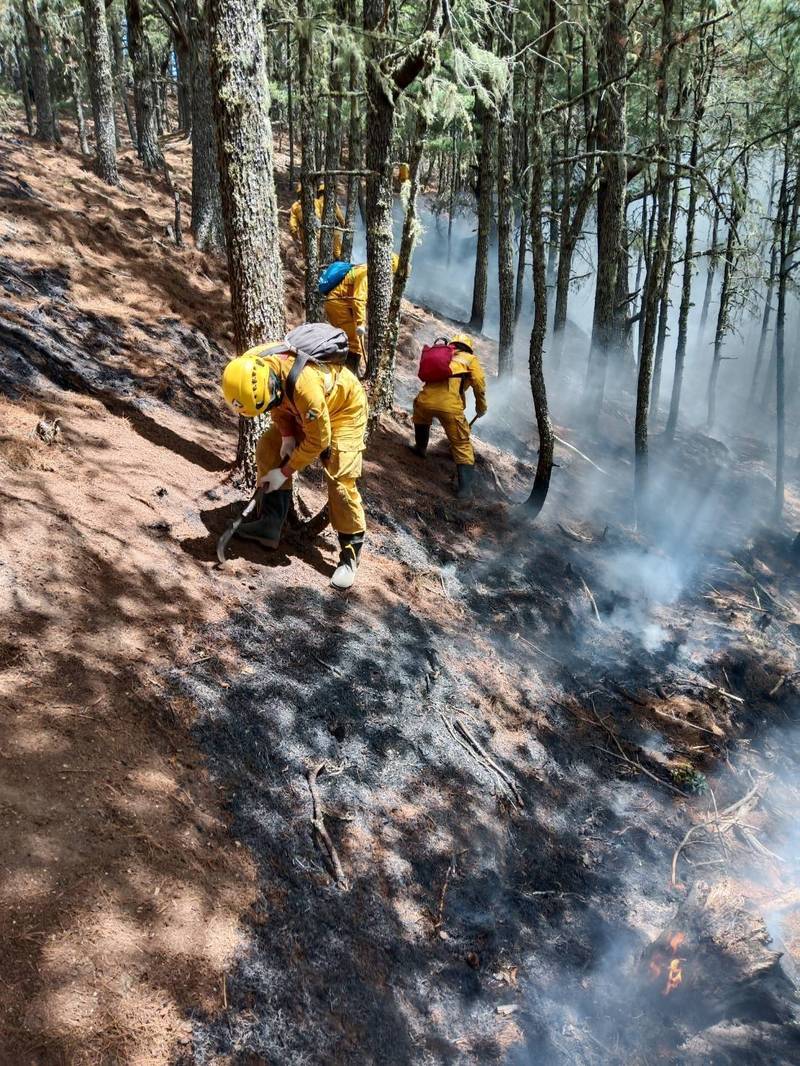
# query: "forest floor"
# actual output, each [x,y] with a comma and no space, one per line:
[519,724]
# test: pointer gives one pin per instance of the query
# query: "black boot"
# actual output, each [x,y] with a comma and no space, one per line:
[350,545]
[266,529]
[466,475]
[422,434]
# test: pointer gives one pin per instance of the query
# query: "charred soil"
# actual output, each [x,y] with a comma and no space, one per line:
[534,741]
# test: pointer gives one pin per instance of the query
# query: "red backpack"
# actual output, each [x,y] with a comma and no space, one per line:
[434,363]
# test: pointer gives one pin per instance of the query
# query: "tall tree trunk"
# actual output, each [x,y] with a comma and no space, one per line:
[305,51]
[454,175]
[608,316]
[505,206]
[184,83]
[145,87]
[121,77]
[553,232]
[723,321]
[100,82]
[207,224]
[383,89]
[544,466]
[486,160]
[657,265]
[522,255]
[409,237]
[355,143]
[663,297]
[290,100]
[710,271]
[788,234]
[250,210]
[333,144]
[24,84]
[40,77]
[71,69]
[765,316]
[686,285]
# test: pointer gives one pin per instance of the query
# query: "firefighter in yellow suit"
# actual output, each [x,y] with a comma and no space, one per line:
[296,219]
[346,308]
[325,418]
[445,401]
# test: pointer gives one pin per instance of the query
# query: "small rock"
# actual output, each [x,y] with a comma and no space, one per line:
[162,491]
[473,960]
[507,1008]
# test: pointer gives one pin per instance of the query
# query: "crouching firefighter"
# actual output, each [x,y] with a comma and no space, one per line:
[318,410]
[449,370]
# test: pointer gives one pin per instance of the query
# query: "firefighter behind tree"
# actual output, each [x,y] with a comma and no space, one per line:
[449,371]
[296,218]
[346,308]
[318,411]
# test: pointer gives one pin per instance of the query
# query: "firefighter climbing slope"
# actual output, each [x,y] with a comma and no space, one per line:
[448,371]
[318,411]
[296,218]
[345,291]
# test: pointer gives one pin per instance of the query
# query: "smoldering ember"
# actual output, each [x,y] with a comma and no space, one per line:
[399,533]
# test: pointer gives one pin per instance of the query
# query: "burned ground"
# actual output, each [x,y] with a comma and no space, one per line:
[519,725]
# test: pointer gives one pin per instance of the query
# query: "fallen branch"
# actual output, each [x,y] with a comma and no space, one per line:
[324,842]
[439,920]
[474,748]
[721,823]
[684,723]
[573,535]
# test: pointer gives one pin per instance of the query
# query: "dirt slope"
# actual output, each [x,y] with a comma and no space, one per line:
[163,895]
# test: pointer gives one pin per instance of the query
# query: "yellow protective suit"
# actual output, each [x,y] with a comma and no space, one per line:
[328,419]
[346,306]
[296,223]
[445,400]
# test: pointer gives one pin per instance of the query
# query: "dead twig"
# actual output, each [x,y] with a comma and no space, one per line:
[721,822]
[320,832]
[474,748]
[439,920]
[684,723]
[574,535]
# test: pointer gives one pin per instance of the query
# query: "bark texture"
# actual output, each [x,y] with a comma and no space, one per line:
[505,211]
[102,87]
[608,317]
[544,465]
[40,77]
[486,183]
[657,264]
[207,224]
[244,137]
[145,88]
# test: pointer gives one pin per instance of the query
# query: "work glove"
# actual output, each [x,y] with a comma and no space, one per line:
[288,445]
[272,480]
[480,414]
[361,331]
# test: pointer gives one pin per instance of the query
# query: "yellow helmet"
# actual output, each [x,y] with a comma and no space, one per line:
[462,341]
[251,384]
[395,262]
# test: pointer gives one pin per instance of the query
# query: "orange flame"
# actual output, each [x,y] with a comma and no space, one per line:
[676,941]
[674,976]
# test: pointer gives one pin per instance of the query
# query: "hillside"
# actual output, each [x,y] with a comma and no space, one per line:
[518,723]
